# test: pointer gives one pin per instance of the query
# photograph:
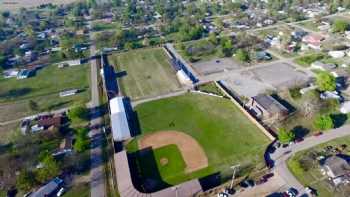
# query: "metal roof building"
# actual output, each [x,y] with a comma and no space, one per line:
[119,120]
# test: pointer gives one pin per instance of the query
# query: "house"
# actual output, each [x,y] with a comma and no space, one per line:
[263,55]
[10,73]
[336,54]
[25,124]
[48,122]
[298,35]
[330,95]
[322,66]
[265,107]
[25,73]
[183,78]
[345,107]
[313,41]
[337,169]
[49,189]
[69,63]
[119,120]
[68,92]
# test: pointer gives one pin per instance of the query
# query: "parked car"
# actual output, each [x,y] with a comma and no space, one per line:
[223,194]
[269,175]
[285,145]
[247,183]
[261,181]
[291,192]
[61,192]
[298,140]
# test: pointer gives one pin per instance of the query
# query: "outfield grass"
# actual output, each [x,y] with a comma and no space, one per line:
[148,73]
[44,89]
[313,177]
[223,131]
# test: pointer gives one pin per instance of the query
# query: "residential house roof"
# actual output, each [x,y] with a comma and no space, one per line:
[269,103]
[313,39]
[51,121]
[337,166]
[48,189]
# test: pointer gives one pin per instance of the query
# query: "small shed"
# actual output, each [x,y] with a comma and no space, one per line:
[266,107]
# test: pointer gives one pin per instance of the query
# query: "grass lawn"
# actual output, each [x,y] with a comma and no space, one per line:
[148,73]
[313,177]
[225,134]
[44,89]
[311,25]
[210,88]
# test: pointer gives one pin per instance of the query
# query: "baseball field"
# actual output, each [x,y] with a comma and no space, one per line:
[192,136]
[148,73]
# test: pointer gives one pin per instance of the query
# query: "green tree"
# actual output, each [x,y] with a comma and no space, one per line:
[324,122]
[78,113]
[49,170]
[26,180]
[285,136]
[227,48]
[325,81]
[82,140]
[212,38]
[242,55]
[340,26]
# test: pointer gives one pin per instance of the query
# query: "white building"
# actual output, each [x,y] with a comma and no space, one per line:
[119,120]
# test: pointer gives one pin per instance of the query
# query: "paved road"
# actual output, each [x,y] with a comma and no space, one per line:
[281,155]
[97,176]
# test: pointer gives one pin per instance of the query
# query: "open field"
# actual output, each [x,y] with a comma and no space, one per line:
[225,134]
[17,4]
[148,73]
[44,89]
[312,177]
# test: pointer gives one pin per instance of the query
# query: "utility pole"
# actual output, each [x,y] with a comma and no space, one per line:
[234,168]
[175,188]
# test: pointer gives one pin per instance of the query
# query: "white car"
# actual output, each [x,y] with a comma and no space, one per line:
[60,192]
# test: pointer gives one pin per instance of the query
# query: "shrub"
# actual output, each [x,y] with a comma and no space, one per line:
[285,136]
[325,81]
[295,93]
[78,113]
[324,122]
[309,59]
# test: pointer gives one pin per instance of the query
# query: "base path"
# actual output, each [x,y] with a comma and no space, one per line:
[192,153]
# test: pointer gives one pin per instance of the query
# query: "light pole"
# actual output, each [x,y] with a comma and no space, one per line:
[233,175]
[175,188]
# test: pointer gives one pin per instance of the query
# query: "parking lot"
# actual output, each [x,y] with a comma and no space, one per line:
[275,185]
[272,77]
[216,66]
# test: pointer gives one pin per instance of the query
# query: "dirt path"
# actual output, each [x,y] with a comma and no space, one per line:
[192,153]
